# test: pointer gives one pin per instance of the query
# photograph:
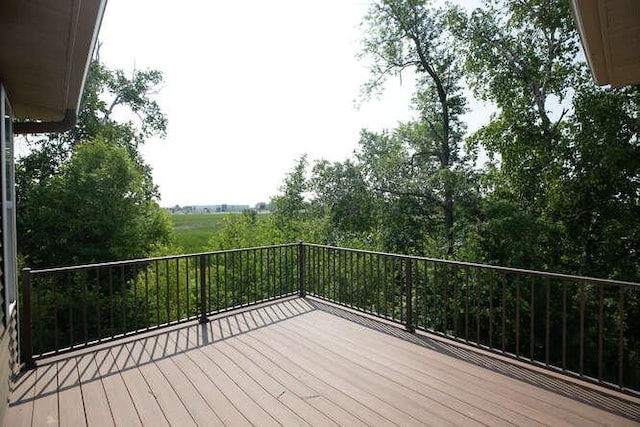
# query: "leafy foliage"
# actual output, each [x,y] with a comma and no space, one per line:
[405,33]
[560,190]
[98,207]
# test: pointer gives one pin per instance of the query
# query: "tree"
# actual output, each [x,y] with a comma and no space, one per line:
[411,188]
[292,216]
[400,34]
[597,195]
[59,169]
[106,92]
[340,192]
[566,149]
[521,55]
[99,207]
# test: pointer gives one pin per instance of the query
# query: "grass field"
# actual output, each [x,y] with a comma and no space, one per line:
[193,231]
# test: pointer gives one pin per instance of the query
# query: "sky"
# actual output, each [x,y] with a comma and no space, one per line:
[248,88]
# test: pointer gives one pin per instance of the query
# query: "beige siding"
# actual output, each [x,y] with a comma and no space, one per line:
[5,372]
[8,361]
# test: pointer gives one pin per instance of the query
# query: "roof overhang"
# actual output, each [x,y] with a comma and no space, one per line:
[45,52]
[610,32]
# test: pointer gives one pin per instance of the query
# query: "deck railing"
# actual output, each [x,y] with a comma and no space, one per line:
[70,307]
[581,326]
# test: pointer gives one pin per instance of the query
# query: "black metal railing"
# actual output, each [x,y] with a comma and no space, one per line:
[69,307]
[581,326]
[578,325]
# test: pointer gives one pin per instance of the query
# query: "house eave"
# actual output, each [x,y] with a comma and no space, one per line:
[610,34]
[45,52]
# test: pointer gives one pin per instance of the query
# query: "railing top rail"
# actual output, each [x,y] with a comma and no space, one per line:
[560,276]
[146,260]
[488,267]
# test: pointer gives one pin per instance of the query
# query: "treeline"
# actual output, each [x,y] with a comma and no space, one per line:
[559,187]
[550,182]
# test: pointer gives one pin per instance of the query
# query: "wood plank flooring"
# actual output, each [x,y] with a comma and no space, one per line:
[293,362]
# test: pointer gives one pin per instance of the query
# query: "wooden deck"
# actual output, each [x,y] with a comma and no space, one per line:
[295,362]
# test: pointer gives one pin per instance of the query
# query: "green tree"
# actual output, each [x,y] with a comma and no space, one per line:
[522,56]
[401,34]
[566,149]
[99,207]
[340,192]
[106,92]
[244,231]
[597,196]
[411,189]
[289,208]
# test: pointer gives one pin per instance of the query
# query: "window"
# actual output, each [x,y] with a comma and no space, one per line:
[9,262]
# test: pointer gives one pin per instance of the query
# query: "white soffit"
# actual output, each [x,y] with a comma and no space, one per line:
[45,50]
[610,32]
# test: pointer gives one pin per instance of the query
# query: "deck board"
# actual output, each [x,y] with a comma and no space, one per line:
[194,403]
[279,391]
[312,396]
[230,388]
[45,408]
[540,404]
[146,400]
[252,386]
[123,409]
[70,395]
[350,402]
[383,362]
[439,384]
[96,405]
[399,402]
[223,408]
[169,401]
[294,362]
[23,396]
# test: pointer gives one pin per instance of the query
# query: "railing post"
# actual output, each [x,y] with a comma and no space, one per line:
[25,329]
[203,289]
[301,264]
[409,325]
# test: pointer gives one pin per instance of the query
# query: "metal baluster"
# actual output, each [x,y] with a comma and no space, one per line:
[547,321]
[517,316]
[490,276]
[600,331]
[582,327]
[532,314]
[621,319]
[27,331]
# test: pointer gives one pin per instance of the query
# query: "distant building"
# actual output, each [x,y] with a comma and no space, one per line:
[221,208]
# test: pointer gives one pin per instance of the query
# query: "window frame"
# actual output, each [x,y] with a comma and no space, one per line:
[7,174]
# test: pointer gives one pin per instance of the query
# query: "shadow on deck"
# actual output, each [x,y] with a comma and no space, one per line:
[298,361]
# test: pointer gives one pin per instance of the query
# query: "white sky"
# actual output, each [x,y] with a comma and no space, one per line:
[250,86]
